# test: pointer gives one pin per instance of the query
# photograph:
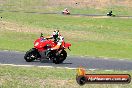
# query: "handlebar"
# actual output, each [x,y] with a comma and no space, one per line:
[41,35]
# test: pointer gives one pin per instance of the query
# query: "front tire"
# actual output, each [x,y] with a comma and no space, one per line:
[31,55]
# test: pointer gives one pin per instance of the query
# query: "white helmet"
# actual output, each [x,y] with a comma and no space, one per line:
[56,34]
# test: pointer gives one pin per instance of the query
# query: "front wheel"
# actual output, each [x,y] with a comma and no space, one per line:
[31,55]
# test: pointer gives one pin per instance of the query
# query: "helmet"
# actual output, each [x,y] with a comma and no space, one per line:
[55,34]
[66,9]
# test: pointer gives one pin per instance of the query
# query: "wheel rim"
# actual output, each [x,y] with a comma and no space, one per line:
[62,56]
[29,57]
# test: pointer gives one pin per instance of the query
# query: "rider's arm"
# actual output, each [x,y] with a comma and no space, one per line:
[49,37]
[59,43]
[56,47]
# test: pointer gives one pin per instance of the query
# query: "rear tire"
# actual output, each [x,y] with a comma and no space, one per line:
[68,13]
[31,55]
[61,57]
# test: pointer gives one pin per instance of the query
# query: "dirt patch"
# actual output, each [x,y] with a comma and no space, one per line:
[20,28]
[72,34]
[91,3]
[41,4]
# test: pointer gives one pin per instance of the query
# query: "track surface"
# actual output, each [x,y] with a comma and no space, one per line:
[90,15]
[16,58]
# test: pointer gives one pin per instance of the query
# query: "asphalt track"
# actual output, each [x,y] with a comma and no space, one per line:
[16,58]
[90,15]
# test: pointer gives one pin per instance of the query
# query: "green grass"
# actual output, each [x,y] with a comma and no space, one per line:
[99,37]
[32,77]
[16,41]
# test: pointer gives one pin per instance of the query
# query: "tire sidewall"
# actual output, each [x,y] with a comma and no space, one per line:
[60,59]
[32,51]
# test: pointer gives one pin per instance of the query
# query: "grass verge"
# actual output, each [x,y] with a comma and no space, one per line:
[35,77]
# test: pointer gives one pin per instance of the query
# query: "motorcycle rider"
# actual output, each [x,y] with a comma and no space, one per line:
[65,11]
[58,39]
[109,13]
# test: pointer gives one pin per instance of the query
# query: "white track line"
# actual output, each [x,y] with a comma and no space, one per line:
[50,67]
[92,69]
[34,66]
[109,70]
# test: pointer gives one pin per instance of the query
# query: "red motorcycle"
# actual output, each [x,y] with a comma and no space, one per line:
[41,46]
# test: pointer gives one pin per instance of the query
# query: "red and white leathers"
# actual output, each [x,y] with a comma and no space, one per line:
[59,40]
[65,10]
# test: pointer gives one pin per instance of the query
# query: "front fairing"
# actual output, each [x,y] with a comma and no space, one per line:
[67,45]
[42,42]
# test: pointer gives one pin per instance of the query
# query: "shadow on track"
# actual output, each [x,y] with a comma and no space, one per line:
[45,61]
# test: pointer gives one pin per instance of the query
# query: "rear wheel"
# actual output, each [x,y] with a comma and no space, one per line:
[61,57]
[31,55]
[68,13]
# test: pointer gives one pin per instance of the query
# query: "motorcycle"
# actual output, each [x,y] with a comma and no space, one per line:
[41,46]
[66,12]
[110,14]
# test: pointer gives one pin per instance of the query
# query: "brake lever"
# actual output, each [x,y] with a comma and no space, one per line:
[69,48]
[41,35]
